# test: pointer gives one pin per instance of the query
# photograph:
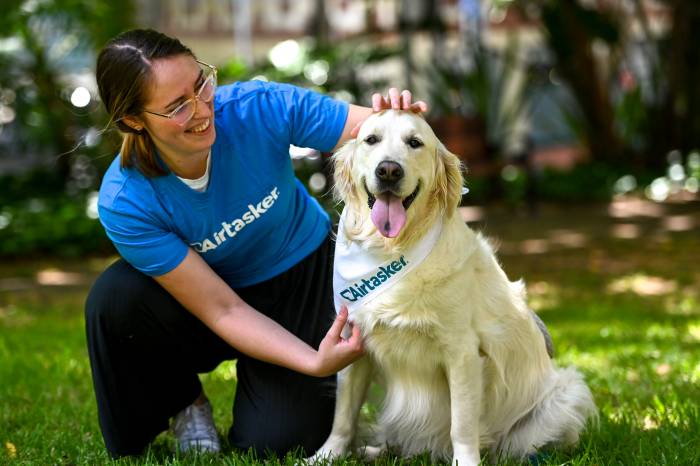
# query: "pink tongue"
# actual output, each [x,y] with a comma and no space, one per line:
[388,215]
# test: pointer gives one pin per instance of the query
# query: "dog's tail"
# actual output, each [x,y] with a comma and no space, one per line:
[558,418]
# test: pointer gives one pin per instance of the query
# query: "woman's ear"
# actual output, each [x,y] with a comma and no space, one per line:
[343,188]
[134,123]
[448,180]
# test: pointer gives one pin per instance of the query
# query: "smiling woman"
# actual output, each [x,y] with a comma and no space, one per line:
[225,254]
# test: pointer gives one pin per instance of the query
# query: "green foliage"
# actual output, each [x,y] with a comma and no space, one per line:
[37,218]
[51,226]
[588,182]
[633,119]
[48,48]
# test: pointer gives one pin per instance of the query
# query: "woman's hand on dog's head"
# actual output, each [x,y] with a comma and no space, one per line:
[335,352]
[394,100]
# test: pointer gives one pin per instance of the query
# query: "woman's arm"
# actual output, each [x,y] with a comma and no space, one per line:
[394,100]
[195,285]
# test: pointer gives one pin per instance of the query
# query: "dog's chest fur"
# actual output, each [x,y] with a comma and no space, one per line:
[399,348]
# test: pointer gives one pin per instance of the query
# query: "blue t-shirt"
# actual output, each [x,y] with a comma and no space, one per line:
[255,220]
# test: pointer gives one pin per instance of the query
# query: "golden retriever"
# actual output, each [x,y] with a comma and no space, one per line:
[462,359]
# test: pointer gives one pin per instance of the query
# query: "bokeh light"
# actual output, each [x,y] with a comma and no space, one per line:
[80,97]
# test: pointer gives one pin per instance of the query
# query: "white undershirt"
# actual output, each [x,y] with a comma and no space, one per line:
[200,184]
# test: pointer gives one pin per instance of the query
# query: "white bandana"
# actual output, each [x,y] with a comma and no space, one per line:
[360,275]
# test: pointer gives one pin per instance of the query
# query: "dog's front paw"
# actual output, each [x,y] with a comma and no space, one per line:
[465,456]
[332,449]
[465,461]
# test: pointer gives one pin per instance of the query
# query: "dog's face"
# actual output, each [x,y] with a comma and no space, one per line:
[397,170]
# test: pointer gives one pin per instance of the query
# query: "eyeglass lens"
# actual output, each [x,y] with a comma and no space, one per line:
[186,111]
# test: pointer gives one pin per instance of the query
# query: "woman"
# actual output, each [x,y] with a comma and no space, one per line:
[224,254]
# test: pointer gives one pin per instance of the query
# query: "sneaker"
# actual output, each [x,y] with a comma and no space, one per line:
[194,429]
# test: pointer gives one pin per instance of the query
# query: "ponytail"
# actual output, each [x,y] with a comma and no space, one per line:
[138,150]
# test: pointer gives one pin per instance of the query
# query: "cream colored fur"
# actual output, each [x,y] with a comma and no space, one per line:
[464,364]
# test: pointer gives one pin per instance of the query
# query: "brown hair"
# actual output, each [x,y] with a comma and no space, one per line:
[123,74]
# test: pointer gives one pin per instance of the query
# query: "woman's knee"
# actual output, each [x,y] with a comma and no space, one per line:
[283,424]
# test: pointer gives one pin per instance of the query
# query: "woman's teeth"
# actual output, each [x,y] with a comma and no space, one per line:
[202,127]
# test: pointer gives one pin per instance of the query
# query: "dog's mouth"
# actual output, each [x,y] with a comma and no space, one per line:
[389,210]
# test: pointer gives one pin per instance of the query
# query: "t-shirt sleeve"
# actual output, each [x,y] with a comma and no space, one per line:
[314,120]
[141,241]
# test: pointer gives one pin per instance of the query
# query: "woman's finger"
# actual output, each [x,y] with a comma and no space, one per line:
[377,102]
[419,107]
[340,321]
[394,98]
[355,339]
[406,98]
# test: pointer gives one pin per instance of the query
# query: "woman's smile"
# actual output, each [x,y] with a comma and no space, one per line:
[202,128]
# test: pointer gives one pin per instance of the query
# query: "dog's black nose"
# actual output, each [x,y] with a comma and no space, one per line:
[389,172]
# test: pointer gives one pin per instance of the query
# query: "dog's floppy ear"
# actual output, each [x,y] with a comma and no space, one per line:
[343,188]
[448,180]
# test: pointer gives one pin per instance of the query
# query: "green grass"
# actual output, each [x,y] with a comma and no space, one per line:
[624,311]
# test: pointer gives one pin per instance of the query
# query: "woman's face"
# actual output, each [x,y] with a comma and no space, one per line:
[174,80]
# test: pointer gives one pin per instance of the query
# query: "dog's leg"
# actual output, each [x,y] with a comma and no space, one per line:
[464,375]
[352,389]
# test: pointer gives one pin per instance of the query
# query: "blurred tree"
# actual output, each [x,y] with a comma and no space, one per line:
[675,120]
[319,28]
[572,31]
[622,122]
[46,45]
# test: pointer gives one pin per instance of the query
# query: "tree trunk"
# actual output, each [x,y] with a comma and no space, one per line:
[572,44]
[676,125]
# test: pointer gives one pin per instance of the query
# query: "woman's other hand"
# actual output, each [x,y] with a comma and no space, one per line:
[335,352]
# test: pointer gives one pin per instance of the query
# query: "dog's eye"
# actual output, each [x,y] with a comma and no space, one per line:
[371,139]
[415,143]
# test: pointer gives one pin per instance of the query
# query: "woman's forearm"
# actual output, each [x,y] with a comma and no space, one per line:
[260,337]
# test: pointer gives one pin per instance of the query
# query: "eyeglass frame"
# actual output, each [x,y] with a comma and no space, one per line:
[195,98]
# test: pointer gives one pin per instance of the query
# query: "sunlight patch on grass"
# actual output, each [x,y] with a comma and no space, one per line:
[10,449]
[626,231]
[694,331]
[569,238]
[628,207]
[534,246]
[643,285]
[694,376]
[56,277]
[678,223]
[587,361]
[13,317]
[225,371]
[542,295]
[661,331]
[649,423]
[685,303]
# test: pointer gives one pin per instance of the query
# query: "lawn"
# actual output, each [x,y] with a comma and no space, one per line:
[618,285]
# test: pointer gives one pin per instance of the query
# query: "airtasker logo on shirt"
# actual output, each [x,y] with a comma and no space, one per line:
[231,229]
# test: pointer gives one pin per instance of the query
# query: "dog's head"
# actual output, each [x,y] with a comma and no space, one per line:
[396,177]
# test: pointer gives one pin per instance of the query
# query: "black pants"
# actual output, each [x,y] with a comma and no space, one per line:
[146,351]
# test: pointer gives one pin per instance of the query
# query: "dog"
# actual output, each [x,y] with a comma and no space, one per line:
[463,362]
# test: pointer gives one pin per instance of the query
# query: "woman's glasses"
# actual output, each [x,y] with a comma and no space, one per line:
[186,110]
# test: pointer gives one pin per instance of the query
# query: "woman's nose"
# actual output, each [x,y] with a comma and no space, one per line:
[203,109]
